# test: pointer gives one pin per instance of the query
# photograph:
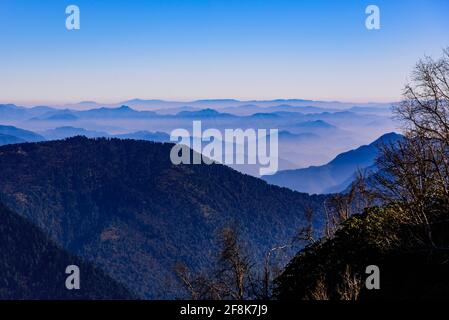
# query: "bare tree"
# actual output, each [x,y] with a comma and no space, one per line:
[415,171]
[231,278]
[350,285]
[320,291]
[339,207]
[199,286]
[277,257]
[424,114]
[235,276]
[187,280]
[235,263]
[305,235]
[424,110]
[271,271]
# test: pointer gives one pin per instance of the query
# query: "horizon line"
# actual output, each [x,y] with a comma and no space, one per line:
[239,100]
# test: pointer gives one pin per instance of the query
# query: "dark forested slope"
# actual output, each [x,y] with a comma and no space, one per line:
[123,205]
[410,267]
[33,267]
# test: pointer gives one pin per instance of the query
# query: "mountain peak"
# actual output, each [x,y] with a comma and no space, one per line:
[389,137]
[202,113]
[337,174]
[316,124]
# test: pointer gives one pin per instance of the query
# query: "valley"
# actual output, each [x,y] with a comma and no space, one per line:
[123,205]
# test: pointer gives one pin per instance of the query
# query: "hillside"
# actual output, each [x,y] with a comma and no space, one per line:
[67,132]
[8,139]
[33,267]
[122,205]
[22,134]
[410,269]
[145,135]
[334,176]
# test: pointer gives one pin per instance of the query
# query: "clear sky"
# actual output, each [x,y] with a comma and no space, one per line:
[186,49]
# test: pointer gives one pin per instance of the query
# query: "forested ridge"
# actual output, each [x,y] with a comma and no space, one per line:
[122,205]
[33,267]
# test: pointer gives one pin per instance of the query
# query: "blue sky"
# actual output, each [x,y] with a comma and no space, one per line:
[183,50]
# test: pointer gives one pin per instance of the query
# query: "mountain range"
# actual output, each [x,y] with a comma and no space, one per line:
[336,175]
[308,134]
[68,132]
[154,104]
[11,133]
[149,108]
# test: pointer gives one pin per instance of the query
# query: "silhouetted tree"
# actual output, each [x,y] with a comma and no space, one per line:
[235,264]
[340,206]
[415,171]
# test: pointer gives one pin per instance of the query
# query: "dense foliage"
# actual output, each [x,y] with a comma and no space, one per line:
[382,236]
[124,206]
[33,267]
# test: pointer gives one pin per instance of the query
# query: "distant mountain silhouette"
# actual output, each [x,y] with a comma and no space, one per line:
[83,104]
[33,267]
[173,111]
[13,112]
[67,132]
[7,139]
[251,109]
[264,115]
[121,112]
[154,104]
[334,176]
[316,124]
[56,115]
[24,135]
[145,135]
[287,135]
[122,205]
[205,113]
[61,116]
